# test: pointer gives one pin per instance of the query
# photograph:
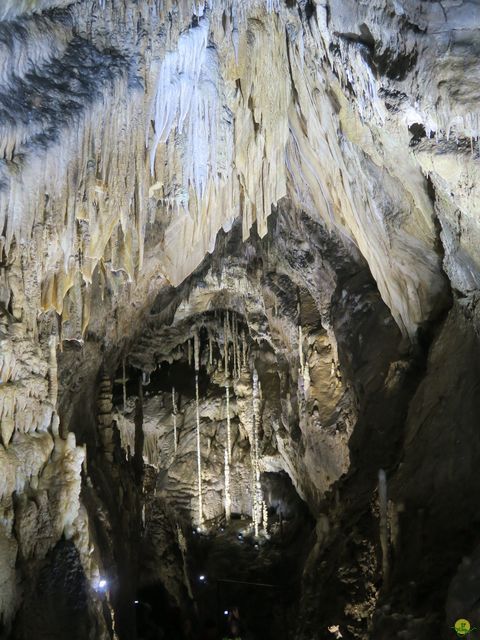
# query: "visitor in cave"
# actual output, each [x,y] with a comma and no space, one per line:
[235,628]
[233,632]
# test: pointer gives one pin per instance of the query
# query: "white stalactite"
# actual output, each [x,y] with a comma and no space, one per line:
[234,344]
[239,355]
[225,345]
[229,334]
[257,491]
[244,349]
[53,372]
[265,516]
[186,96]
[228,500]
[196,351]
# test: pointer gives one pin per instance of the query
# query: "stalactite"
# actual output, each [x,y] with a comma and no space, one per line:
[186,95]
[229,439]
[234,353]
[53,371]
[174,415]
[189,352]
[104,416]
[225,344]
[199,457]
[229,334]
[383,504]
[234,344]
[199,450]
[257,495]
[127,436]
[254,493]
[196,350]
[228,501]
[265,516]
[210,349]
[239,355]
[244,349]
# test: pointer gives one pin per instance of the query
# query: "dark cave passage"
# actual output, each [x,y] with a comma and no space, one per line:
[234,575]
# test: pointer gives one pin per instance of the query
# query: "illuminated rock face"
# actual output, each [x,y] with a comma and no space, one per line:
[144,147]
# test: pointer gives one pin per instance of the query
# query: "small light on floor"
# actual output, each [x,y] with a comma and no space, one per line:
[201,578]
[136,601]
[225,613]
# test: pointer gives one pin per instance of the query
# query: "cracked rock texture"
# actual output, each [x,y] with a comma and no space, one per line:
[295,184]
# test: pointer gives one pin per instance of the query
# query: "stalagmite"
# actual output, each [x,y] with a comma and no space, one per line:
[174,415]
[383,505]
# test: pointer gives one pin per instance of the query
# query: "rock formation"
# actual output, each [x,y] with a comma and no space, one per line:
[269,206]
